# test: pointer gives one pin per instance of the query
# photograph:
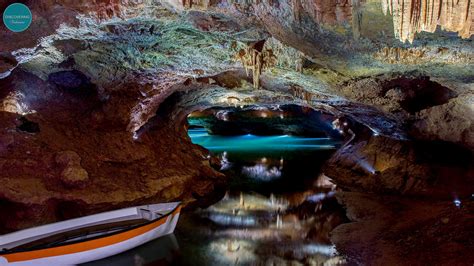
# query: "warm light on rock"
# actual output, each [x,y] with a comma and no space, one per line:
[413,16]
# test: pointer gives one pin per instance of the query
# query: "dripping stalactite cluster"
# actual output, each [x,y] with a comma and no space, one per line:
[409,16]
[256,58]
[413,16]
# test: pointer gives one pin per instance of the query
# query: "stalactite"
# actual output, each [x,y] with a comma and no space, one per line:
[297,8]
[298,92]
[394,55]
[187,3]
[413,16]
[201,4]
[356,19]
[255,58]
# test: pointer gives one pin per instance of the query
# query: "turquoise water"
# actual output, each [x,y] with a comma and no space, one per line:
[249,143]
[264,217]
[267,164]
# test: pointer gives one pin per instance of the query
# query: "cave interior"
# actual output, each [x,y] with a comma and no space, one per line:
[311,132]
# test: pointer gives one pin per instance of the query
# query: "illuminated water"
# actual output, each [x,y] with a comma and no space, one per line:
[272,214]
[267,164]
[251,143]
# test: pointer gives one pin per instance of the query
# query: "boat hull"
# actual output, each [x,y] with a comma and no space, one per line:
[95,249]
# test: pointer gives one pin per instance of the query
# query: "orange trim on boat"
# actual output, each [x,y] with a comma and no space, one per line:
[87,245]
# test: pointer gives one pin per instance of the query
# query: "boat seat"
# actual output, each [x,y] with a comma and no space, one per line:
[150,215]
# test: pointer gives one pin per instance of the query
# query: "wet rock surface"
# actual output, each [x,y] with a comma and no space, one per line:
[93,98]
[385,166]
[393,230]
[83,155]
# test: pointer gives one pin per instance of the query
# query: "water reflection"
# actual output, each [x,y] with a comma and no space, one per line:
[262,171]
[253,229]
[225,164]
[161,251]
[279,209]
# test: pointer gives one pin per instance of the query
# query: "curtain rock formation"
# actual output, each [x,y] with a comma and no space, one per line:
[413,16]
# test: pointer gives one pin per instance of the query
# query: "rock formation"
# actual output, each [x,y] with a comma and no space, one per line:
[94,97]
[413,16]
[82,156]
[256,58]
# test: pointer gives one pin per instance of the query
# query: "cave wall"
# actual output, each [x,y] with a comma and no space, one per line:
[81,153]
[90,76]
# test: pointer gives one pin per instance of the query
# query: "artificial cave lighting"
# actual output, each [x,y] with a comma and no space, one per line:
[15,103]
[287,132]
[262,171]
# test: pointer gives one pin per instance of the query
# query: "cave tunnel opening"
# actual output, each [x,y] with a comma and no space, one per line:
[272,156]
[267,149]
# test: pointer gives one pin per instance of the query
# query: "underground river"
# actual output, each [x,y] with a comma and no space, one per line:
[278,208]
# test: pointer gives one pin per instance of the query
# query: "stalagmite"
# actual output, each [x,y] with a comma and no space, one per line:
[394,55]
[413,16]
[299,65]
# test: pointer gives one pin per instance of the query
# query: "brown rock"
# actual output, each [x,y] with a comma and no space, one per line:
[385,165]
[391,230]
[68,158]
[74,176]
[7,63]
[5,142]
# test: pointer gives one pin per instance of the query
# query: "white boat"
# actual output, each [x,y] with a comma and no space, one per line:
[89,238]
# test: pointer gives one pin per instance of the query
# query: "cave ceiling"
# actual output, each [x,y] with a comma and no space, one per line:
[94,95]
[331,55]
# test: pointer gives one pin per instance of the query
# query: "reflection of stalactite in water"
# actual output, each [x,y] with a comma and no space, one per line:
[256,58]
[413,16]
